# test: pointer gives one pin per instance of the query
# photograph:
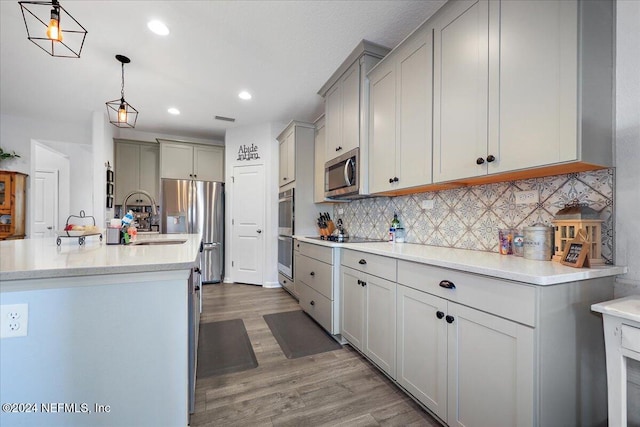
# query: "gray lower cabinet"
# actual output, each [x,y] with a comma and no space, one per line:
[459,362]
[316,286]
[480,351]
[476,350]
[369,307]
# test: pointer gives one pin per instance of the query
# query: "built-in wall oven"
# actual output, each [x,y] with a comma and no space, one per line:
[286,227]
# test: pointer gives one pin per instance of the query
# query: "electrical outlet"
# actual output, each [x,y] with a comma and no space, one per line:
[14,320]
[427,204]
[526,197]
[340,211]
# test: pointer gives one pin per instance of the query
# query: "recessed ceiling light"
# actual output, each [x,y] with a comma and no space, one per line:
[244,95]
[173,111]
[158,27]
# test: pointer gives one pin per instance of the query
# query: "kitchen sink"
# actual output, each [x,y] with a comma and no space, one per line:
[159,242]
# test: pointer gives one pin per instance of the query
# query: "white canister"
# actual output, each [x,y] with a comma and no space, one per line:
[538,241]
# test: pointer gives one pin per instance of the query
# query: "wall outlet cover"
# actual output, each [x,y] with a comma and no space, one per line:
[427,204]
[527,197]
[14,320]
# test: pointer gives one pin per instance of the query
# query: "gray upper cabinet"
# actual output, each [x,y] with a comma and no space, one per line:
[287,152]
[461,54]
[180,160]
[346,96]
[136,168]
[522,85]
[400,139]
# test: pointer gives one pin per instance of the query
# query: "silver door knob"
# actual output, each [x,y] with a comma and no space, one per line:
[259,231]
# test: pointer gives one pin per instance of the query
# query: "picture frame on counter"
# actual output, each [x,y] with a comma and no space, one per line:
[577,251]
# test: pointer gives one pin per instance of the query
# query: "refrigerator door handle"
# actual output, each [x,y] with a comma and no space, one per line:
[211,245]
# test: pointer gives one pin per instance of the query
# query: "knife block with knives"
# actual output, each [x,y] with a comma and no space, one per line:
[325,224]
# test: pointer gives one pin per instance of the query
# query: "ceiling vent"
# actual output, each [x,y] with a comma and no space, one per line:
[225,119]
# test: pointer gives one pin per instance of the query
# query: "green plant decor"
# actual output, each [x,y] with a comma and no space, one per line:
[4,155]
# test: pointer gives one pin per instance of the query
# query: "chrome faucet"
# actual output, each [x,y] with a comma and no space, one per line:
[154,209]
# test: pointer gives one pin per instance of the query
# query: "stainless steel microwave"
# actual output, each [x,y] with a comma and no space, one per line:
[341,175]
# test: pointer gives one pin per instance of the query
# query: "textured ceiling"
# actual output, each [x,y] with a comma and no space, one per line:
[280,51]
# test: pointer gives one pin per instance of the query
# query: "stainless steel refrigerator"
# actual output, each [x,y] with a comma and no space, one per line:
[188,206]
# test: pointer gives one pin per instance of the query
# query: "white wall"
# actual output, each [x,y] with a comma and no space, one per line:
[263,136]
[627,146]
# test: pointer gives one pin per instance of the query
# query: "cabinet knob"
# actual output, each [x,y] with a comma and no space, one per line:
[362,261]
[491,158]
[258,231]
[479,161]
[312,273]
[195,176]
[312,302]
[449,319]
[363,283]
[447,284]
[390,180]
[439,314]
[284,179]
[284,281]
[395,179]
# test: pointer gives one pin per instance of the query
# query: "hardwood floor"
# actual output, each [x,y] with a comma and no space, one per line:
[338,388]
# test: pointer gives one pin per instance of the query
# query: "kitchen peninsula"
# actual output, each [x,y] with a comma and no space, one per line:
[106,332]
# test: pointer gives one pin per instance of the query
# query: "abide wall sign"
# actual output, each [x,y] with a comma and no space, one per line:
[248,153]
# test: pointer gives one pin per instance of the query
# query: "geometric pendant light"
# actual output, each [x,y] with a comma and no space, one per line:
[52,28]
[121,113]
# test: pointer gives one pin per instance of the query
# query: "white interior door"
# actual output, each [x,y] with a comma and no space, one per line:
[45,201]
[248,218]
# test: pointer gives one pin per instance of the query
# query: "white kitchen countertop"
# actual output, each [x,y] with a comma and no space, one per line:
[508,267]
[43,259]
[625,308]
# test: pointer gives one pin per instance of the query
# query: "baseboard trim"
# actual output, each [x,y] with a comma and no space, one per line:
[271,285]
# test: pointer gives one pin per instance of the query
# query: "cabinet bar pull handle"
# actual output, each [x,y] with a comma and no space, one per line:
[338,148]
[447,284]
[439,314]
[390,180]
[449,319]
[364,283]
[362,261]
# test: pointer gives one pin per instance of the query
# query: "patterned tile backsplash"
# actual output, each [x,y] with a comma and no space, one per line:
[470,217]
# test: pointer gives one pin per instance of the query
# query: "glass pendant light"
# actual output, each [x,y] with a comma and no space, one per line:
[121,113]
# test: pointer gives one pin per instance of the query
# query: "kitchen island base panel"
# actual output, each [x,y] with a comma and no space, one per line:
[121,345]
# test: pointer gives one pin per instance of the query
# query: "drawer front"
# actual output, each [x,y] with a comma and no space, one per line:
[322,253]
[631,338]
[377,265]
[286,282]
[317,306]
[315,274]
[500,297]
